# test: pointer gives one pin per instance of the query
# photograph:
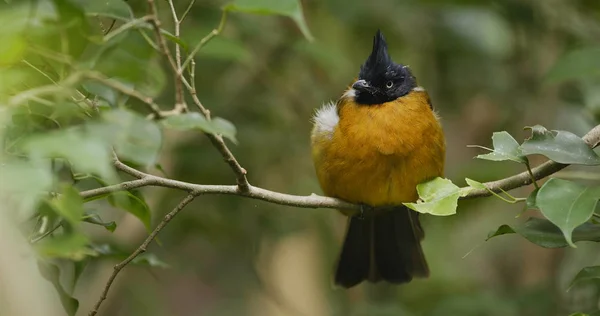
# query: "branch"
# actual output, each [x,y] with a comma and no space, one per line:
[206,39]
[141,249]
[592,138]
[162,44]
[180,106]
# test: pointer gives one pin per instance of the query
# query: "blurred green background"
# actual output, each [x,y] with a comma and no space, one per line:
[485,65]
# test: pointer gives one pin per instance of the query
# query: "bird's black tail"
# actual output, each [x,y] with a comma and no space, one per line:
[385,246]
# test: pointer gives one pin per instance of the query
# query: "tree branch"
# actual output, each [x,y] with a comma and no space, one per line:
[162,44]
[180,106]
[141,249]
[592,138]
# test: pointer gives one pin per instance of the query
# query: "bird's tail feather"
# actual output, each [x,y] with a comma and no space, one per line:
[385,246]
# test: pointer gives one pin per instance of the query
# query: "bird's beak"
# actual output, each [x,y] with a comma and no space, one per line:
[361,85]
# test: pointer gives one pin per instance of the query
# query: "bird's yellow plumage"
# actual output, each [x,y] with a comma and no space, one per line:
[373,147]
[378,154]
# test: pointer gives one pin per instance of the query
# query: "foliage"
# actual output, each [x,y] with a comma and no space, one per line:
[81,81]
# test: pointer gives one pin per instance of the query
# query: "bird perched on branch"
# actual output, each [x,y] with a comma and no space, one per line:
[372,147]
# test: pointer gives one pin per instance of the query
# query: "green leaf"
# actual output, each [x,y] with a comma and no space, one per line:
[577,64]
[134,205]
[226,49]
[545,234]
[195,120]
[96,220]
[87,154]
[149,259]
[505,148]
[289,8]
[586,274]
[69,205]
[78,267]
[560,146]
[437,197]
[23,185]
[225,128]
[51,273]
[116,9]
[135,138]
[72,245]
[108,94]
[567,204]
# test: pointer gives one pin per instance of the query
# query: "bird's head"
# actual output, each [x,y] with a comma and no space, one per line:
[380,79]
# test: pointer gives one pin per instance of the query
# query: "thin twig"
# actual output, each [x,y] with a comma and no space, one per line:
[68,82]
[129,25]
[141,249]
[162,43]
[187,10]
[124,89]
[44,235]
[206,39]
[81,95]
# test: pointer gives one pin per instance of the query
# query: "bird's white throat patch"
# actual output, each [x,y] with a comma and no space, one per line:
[325,120]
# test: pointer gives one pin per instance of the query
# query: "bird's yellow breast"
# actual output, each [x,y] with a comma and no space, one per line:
[377,154]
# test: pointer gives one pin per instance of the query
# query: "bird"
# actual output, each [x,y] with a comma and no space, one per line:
[372,147]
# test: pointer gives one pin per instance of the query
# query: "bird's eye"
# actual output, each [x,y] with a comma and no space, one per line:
[389,84]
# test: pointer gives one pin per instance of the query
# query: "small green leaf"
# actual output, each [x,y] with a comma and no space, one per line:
[437,197]
[69,205]
[151,260]
[87,154]
[96,220]
[289,8]
[134,137]
[132,204]
[225,128]
[560,146]
[195,120]
[116,9]
[545,234]
[577,64]
[586,274]
[567,204]
[505,148]
[51,273]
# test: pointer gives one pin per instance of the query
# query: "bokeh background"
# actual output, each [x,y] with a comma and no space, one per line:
[485,65]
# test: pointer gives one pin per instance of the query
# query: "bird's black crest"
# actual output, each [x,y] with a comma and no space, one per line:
[382,80]
[379,59]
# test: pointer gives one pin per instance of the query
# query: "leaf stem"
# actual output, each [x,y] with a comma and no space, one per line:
[531,173]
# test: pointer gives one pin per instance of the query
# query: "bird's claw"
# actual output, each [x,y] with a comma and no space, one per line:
[363,208]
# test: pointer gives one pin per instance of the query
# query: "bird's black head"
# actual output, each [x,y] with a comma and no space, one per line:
[380,79]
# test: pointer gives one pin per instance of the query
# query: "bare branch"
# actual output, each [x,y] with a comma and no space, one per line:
[162,44]
[141,249]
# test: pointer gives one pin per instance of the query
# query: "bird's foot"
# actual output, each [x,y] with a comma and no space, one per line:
[364,208]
